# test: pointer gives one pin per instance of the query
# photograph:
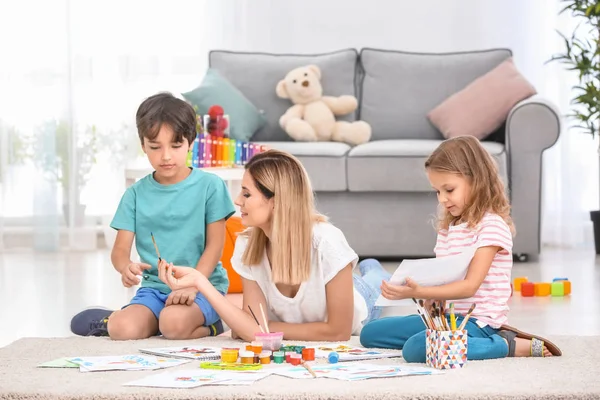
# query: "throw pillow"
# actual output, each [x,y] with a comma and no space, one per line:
[244,118]
[481,107]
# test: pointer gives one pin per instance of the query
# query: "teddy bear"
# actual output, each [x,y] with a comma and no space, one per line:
[312,117]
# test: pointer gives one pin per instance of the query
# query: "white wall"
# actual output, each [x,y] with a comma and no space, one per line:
[313,26]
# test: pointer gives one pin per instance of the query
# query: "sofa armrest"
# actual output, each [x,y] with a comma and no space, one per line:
[532,126]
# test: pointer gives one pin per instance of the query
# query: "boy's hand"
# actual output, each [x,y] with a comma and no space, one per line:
[185,297]
[129,274]
[400,292]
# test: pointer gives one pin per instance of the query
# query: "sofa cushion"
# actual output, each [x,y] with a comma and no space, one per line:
[215,89]
[400,88]
[481,107]
[325,162]
[256,75]
[398,165]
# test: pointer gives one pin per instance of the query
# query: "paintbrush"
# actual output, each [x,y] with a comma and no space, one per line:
[464,323]
[156,247]
[309,369]
[264,318]
[254,316]
[421,314]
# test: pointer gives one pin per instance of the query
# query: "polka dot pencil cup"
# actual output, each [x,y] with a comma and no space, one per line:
[446,349]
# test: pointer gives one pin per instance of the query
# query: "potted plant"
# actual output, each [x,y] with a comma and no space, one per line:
[582,54]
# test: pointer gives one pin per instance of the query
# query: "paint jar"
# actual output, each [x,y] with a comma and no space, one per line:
[249,347]
[288,354]
[229,355]
[446,349]
[247,357]
[308,354]
[257,347]
[279,357]
[270,341]
[265,357]
[333,357]
[295,359]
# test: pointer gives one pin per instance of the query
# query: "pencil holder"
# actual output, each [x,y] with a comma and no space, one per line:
[446,349]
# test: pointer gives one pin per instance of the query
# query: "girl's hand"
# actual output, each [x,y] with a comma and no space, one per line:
[400,292]
[180,277]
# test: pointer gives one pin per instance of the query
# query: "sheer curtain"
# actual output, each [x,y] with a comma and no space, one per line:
[571,166]
[71,78]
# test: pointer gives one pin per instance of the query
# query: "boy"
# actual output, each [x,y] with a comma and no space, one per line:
[184,210]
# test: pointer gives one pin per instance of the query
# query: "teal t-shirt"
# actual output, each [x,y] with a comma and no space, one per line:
[177,216]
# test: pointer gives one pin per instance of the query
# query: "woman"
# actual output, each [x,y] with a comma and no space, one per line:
[292,261]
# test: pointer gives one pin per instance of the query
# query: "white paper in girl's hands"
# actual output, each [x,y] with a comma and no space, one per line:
[429,272]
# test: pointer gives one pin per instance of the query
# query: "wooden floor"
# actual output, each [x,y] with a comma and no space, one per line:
[40,292]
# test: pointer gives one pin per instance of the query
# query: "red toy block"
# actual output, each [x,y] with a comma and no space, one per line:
[527,289]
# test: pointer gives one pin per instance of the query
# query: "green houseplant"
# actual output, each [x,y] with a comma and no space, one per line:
[582,55]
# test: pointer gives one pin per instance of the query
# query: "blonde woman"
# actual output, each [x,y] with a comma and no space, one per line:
[292,261]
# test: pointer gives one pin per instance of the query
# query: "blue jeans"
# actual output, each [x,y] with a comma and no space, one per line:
[369,285]
[408,334]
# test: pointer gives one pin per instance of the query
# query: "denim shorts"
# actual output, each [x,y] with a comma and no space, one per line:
[154,299]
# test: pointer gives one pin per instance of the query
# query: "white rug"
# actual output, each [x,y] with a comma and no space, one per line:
[575,375]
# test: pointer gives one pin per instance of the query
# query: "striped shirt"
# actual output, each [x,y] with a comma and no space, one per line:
[493,294]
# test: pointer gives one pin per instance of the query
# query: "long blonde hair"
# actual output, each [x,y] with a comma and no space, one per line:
[281,176]
[465,156]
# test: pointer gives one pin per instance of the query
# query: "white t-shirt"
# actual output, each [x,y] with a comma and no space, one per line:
[330,254]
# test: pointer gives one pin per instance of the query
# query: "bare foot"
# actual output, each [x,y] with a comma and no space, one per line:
[523,348]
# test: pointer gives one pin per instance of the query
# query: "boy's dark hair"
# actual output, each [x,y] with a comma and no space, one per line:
[164,108]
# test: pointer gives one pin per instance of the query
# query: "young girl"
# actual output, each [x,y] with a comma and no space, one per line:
[474,211]
[293,262]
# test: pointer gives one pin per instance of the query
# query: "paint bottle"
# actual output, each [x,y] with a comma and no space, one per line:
[333,357]
[265,357]
[308,354]
[247,357]
[278,357]
[229,355]
[257,347]
[295,359]
[288,355]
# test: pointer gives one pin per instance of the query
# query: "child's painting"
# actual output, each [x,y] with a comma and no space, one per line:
[355,371]
[131,362]
[349,353]
[182,379]
[190,352]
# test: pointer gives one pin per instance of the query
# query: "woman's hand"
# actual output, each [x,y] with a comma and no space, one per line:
[180,277]
[399,292]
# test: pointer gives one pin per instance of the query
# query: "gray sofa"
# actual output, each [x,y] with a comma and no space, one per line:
[378,193]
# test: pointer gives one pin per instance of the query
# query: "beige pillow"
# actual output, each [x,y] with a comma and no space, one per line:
[481,107]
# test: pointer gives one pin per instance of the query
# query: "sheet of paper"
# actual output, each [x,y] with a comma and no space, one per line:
[355,371]
[191,378]
[429,272]
[130,362]
[58,363]
[352,353]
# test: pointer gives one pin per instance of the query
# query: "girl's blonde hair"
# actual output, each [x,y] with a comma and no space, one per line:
[465,156]
[281,176]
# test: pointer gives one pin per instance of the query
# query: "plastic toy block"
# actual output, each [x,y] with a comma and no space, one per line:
[542,289]
[558,289]
[518,282]
[527,289]
[567,285]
